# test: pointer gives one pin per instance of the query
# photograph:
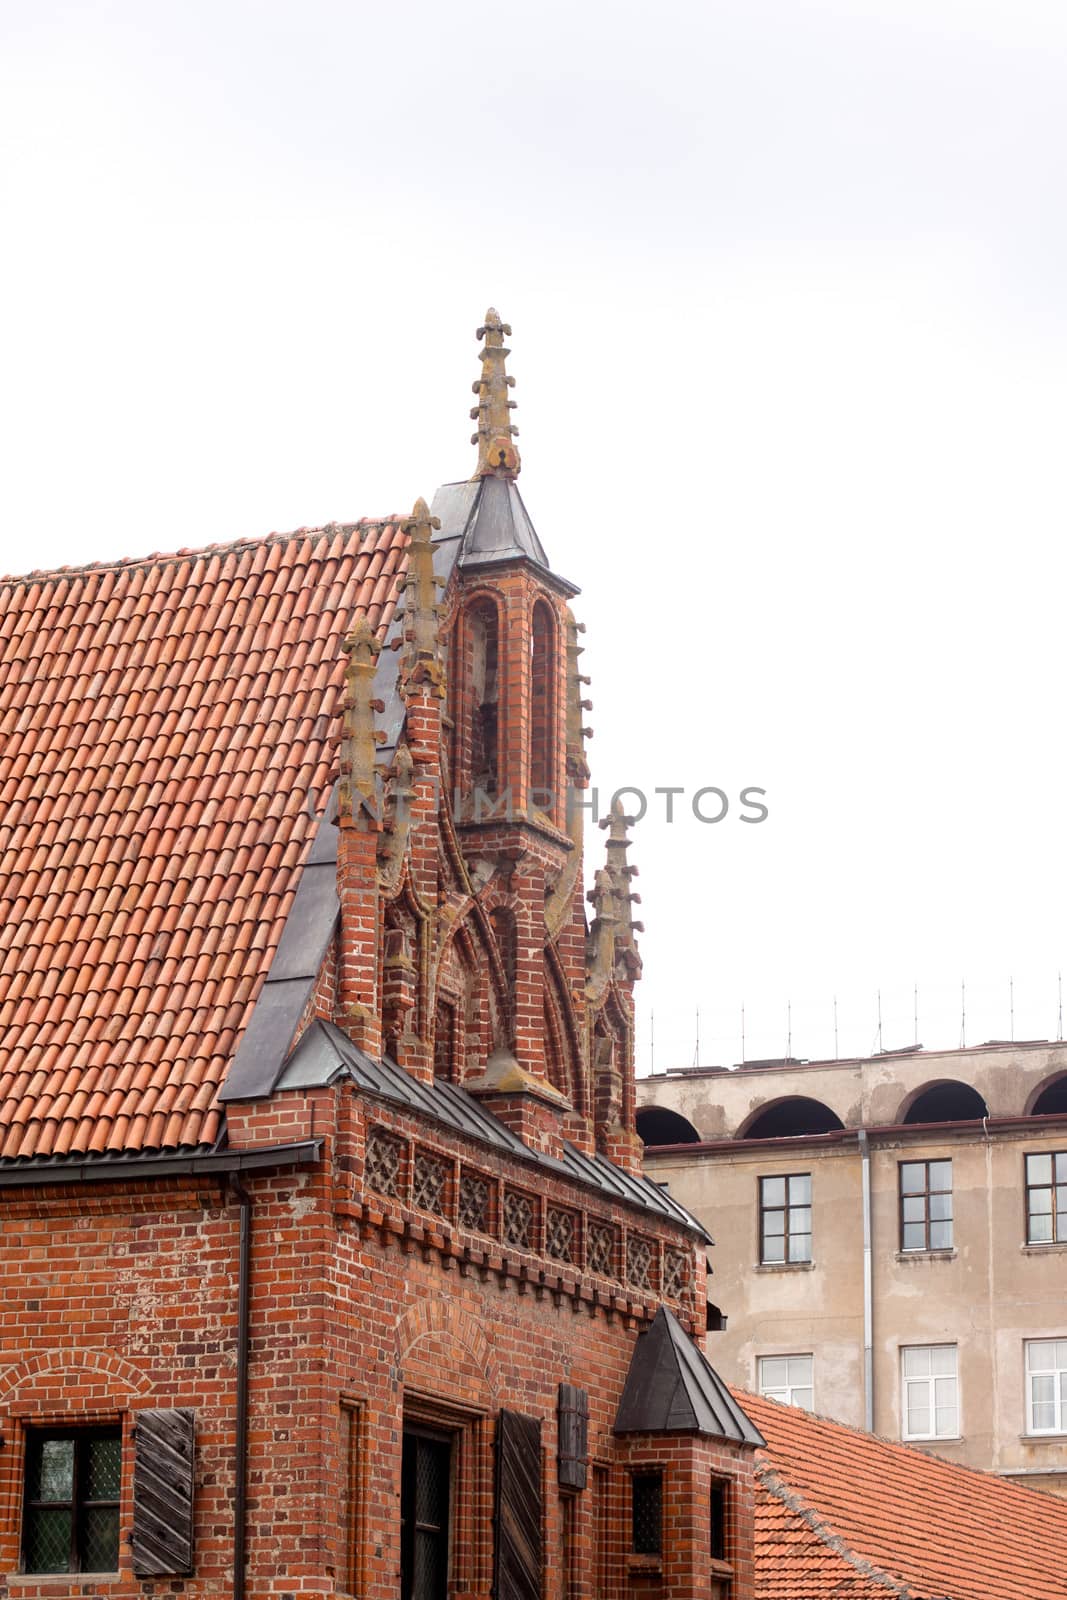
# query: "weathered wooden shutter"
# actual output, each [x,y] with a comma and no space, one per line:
[573,1416]
[163,1493]
[518,1508]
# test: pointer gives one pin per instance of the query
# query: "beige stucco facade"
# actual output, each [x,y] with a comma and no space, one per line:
[986,1296]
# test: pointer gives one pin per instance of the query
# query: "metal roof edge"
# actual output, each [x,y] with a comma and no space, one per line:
[54,1170]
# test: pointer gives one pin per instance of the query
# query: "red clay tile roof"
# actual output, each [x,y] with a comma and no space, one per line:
[162,725]
[841,1513]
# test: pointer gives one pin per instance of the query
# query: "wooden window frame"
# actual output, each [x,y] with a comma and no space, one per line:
[786,1208]
[1058,1236]
[925,1194]
[80,1433]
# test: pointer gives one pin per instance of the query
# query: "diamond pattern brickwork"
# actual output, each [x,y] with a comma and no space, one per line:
[518,1220]
[473,1203]
[560,1233]
[675,1274]
[638,1262]
[384,1161]
[429,1181]
[601,1249]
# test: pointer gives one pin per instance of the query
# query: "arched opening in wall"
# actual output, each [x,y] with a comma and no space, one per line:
[542,706]
[1051,1097]
[945,1102]
[658,1125]
[790,1119]
[483,626]
[446,1045]
[502,922]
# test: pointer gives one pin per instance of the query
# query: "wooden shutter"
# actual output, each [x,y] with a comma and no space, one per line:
[163,1493]
[518,1508]
[573,1436]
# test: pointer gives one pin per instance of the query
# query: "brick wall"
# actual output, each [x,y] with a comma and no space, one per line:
[367,1309]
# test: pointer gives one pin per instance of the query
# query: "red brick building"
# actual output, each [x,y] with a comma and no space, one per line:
[328,1264]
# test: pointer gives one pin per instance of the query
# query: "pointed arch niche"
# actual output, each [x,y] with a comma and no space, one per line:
[543,762]
[478,719]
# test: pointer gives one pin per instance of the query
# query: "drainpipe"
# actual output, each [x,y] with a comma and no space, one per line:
[868,1288]
[240,1464]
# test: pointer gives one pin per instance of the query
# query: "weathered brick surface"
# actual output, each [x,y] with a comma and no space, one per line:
[363,1305]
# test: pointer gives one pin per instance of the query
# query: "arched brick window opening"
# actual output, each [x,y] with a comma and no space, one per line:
[790,1119]
[1050,1098]
[659,1125]
[446,1043]
[483,628]
[502,922]
[542,707]
[946,1102]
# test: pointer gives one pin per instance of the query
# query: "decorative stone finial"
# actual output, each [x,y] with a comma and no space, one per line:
[497,455]
[621,874]
[359,737]
[421,664]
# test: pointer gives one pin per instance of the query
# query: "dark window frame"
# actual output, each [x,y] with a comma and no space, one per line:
[78,1504]
[442,1443]
[785,1209]
[719,1507]
[646,1503]
[924,1194]
[1058,1236]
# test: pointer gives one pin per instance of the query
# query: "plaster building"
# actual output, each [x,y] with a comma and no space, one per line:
[328,1265]
[890,1240]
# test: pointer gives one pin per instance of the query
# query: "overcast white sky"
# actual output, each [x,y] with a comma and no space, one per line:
[787,284]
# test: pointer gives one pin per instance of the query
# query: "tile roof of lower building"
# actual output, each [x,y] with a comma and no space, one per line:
[843,1513]
[167,728]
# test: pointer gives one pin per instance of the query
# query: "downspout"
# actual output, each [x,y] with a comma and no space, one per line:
[868,1288]
[240,1464]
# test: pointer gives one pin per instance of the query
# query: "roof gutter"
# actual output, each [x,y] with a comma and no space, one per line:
[211,1164]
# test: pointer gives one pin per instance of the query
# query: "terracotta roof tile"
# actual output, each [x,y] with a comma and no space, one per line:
[842,1513]
[162,722]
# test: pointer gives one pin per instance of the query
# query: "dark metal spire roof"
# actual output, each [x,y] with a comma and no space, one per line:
[671,1387]
[490,521]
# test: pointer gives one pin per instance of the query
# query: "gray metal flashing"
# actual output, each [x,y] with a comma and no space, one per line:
[671,1387]
[489,519]
[324,1053]
[290,982]
[310,922]
[117,1169]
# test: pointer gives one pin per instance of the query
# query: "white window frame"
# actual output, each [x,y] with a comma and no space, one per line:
[786,1392]
[913,1383]
[1057,1370]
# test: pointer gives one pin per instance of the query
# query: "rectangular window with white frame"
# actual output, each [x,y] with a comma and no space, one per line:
[788,1379]
[930,1391]
[1046,1386]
